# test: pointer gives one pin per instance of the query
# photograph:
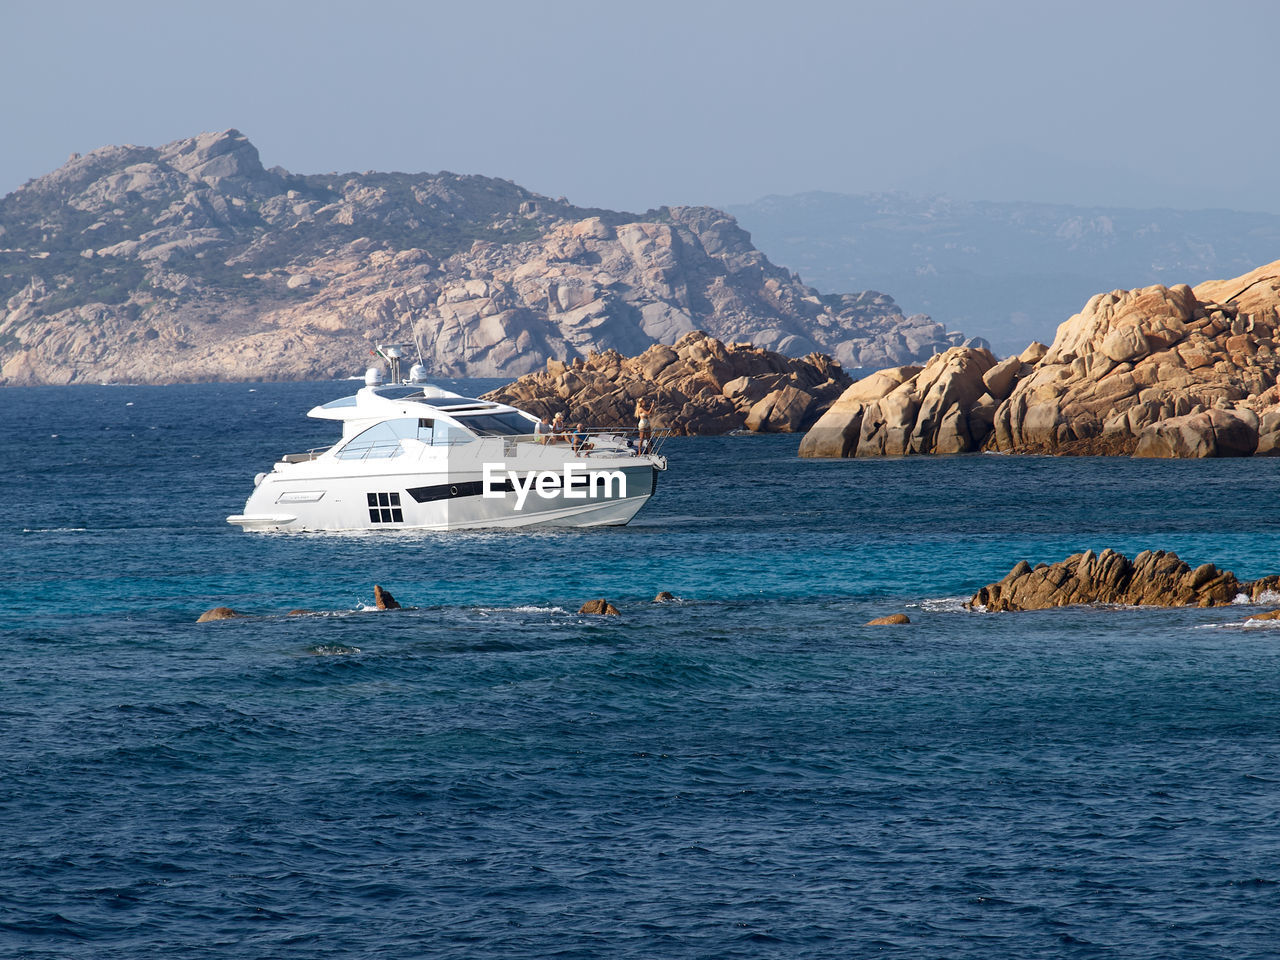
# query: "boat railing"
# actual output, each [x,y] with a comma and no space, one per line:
[371,450]
[601,441]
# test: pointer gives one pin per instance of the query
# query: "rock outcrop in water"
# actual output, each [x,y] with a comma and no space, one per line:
[891,620]
[191,261]
[600,607]
[219,613]
[1152,578]
[383,600]
[1156,372]
[944,407]
[697,386]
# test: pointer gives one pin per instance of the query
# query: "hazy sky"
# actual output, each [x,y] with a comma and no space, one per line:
[637,104]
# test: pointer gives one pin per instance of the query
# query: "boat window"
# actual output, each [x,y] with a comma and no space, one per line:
[382,440]
[343,402]
[399,392]
[450,434]
[499,424]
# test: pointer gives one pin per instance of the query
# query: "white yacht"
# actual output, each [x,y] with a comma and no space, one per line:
[416,457]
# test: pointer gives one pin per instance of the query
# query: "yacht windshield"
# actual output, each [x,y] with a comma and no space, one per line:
[382,440]
[498,424]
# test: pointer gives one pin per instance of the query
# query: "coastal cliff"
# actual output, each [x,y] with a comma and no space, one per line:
[192,261]
[1158,371]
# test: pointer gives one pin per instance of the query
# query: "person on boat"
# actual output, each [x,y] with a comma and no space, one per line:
[644,407]
[579,438]
[559,434]
[541,430]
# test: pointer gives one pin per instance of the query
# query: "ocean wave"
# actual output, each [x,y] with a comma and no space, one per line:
[942,605]
[523,608]
[1242,625]
[55,529]
[332,650]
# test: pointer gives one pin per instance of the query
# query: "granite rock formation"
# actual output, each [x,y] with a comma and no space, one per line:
[945,406]
[1160,372]
[697,386]
[192,261]
[1152,578]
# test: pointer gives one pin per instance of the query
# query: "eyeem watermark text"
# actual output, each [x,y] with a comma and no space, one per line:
[573,482]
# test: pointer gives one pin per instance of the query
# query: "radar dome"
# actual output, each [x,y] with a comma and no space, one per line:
[417,373]
[373,377]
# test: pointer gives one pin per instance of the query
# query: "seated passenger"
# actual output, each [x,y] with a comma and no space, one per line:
[559,433]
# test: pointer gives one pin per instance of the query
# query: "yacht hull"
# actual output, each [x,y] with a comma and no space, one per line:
[420,501]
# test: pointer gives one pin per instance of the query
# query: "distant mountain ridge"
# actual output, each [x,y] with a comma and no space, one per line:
[1010,272]
[192,261]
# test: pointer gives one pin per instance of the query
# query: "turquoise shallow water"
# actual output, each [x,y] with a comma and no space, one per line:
[749,772]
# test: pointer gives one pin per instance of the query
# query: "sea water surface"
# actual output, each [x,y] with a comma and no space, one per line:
[748,772]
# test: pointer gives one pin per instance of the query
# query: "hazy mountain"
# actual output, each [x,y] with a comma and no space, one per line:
[191,261]
[1010,272]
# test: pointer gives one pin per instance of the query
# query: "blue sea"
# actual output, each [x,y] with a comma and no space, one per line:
[747,772]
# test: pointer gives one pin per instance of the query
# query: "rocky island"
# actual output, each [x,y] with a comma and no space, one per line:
[697,386]
[1152,578]
[1155,372]
[192,261]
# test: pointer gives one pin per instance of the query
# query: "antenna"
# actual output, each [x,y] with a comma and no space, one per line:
[393,355]
[417,343]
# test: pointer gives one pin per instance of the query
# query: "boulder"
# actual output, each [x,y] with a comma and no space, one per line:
[781,411]
[999,379]
[1235,432]
[220,613]
[1034,353]
[930,409]
[664,596]
[601,607]
[383,599]
[1188,437]
[1212,433]
[836,432]
[1268,615]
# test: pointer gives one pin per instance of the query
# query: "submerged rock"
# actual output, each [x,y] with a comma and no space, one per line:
[601,607]
[893,619]
[664,596]
[1152,578]
[220,613]
[383,599]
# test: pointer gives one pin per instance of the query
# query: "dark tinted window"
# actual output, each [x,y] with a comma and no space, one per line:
[498,424]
